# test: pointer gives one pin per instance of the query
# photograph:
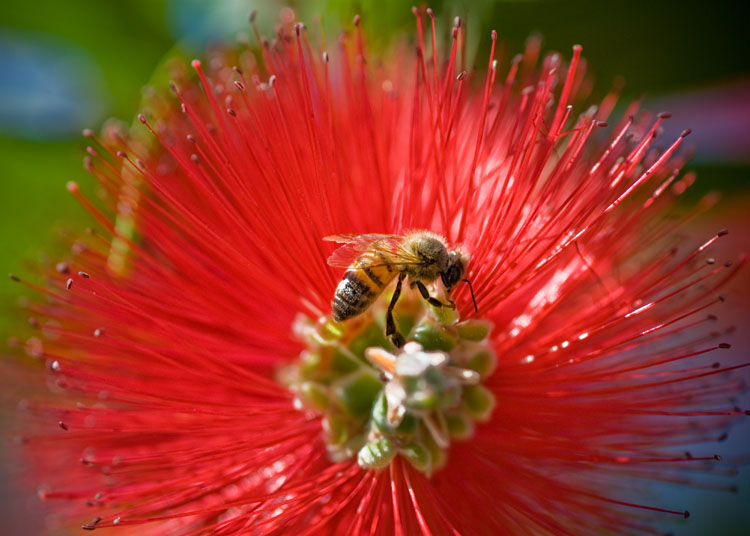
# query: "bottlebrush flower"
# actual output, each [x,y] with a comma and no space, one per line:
[198,384]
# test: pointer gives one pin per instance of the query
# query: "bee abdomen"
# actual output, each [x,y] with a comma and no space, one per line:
[354,294]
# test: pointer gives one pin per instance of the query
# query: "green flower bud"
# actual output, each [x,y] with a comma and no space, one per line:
[379,414]
[445,315]
[357,393]
[478,402]
[483,362]
[418,456]
[433,338]
[473,330]
[376,454]
[459,426]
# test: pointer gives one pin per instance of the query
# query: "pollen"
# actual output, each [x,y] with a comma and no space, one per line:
[375,401]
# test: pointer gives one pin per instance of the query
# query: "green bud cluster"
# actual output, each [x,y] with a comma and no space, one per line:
[376,401]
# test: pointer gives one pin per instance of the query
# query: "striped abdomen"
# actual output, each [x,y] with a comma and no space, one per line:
[363,282]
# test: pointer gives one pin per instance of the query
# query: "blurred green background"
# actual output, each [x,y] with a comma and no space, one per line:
[65,66]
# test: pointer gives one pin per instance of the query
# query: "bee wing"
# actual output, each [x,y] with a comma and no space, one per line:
[356,244]
[361,241]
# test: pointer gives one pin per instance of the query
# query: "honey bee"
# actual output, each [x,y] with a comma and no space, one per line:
[372,261]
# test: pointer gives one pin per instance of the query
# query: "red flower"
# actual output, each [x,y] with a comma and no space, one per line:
[185,340]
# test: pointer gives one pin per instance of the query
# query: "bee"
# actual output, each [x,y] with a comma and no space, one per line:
[372,261]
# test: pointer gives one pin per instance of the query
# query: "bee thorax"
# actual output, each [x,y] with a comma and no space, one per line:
[433,253]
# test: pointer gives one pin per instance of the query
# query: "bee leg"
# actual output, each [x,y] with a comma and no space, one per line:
[390,325]
[432,301]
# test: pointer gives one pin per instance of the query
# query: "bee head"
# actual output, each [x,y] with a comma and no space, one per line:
[454,272]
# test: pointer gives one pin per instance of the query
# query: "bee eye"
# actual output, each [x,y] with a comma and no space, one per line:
[452,275]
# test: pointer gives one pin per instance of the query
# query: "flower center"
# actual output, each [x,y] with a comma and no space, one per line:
[377,401]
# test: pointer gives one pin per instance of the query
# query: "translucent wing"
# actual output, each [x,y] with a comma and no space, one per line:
[356,244]
[362,241]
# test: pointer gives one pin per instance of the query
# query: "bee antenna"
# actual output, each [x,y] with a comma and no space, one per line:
[471,289]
